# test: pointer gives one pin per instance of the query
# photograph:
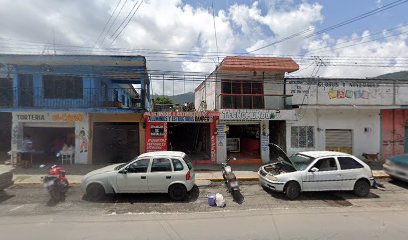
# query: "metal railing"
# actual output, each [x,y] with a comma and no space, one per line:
[67,98]
[255,101]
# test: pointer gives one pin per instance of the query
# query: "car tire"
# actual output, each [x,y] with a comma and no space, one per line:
[292,190]
[362,188]
[177,192]
[95,192]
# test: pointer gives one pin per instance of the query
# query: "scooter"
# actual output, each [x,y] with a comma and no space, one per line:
[55,182]
[230,178]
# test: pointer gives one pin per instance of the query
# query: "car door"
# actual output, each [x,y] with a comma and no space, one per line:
[350,170]
[160,175]
[326,177]
[133,179]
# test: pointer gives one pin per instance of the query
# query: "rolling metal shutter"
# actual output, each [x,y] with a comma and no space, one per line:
[339,140]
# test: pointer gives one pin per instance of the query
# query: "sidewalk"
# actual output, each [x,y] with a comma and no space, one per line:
[201,175]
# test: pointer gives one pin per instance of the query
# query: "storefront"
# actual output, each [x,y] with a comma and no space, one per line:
[245,135]
[48,133]
[190,132]
[116,137]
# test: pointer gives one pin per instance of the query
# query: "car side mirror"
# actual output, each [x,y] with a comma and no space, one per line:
[124,171]
[314,169]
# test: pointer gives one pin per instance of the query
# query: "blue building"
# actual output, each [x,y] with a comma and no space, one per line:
[92,104]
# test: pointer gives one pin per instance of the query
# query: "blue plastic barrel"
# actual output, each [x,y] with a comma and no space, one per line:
[211,199]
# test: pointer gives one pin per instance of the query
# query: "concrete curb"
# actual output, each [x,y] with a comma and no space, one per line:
[25,183]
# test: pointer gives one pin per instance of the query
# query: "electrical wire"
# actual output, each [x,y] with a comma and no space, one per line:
[129,19]
[110,17]
[113,22]
[341,24]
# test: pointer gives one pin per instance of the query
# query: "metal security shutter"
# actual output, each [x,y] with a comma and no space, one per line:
[339,140]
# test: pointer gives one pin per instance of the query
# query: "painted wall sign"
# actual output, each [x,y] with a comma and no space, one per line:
[339,92]
[157,141]
[156,131]
[256,114]
[181,116]
[49,117]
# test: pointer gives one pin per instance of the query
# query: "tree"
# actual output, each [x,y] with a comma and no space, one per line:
[162,100]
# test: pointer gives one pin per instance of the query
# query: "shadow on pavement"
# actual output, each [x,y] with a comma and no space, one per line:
[399,183]
[238,197]
[4,196]
[338,198]
[147,197]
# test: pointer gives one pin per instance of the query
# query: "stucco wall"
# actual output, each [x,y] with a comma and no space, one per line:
[355,119]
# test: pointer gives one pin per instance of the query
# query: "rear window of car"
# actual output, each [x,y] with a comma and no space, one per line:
[188,162]
[177,165]
[348,163]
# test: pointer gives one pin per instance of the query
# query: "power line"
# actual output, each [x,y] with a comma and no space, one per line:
[113,22]
[127,21]
[341,24]
[110,17]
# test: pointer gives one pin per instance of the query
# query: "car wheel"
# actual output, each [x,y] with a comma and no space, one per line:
[95,192]
[362,188]
[292,190]
[177,192]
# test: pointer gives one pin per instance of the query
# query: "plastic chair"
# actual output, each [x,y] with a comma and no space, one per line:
[67,158]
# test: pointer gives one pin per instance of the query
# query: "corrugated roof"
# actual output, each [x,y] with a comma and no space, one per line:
[263,64]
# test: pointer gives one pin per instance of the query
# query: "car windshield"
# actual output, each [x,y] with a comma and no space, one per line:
[122,165]
[300,161]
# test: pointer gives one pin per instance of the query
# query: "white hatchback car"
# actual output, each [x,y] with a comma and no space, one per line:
[155,172]
[316,171]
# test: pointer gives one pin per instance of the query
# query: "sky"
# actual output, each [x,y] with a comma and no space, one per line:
[179,35]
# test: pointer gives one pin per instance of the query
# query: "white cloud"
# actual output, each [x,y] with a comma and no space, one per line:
[174,25]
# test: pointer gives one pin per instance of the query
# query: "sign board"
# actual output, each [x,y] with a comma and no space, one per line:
[203,117]
[157,131]
[256,114]
[156,137]
[49,117]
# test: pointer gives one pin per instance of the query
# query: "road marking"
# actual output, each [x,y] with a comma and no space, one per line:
[18,207]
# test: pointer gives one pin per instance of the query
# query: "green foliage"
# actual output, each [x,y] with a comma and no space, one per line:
[162,100]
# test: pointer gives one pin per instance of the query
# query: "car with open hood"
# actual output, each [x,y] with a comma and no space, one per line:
[315,171]
[156,172]
[397,167]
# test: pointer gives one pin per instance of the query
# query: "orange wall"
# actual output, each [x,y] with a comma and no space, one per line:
[393,122]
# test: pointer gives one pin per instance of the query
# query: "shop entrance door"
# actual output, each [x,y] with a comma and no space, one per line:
[243,141]
[191,138]
[115,142]
[339,140]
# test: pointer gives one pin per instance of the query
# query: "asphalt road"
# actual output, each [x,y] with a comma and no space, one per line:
[27,213]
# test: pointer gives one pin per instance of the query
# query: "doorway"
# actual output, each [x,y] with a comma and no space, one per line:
[48,141]
[191,138]
[243,141]
[115,142]
[339,140]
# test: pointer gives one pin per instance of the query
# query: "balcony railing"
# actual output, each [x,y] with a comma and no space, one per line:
[255,101]
[189,107]
[127,98]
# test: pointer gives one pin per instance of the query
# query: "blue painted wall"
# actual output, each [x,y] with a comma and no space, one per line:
[92,77]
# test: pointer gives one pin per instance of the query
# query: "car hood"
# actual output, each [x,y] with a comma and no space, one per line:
[401,159]
[109,168]
[284,158]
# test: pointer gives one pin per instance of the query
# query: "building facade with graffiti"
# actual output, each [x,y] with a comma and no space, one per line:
[349,115]
[89,108]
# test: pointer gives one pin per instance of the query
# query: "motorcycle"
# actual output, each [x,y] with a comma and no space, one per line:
[55,182]
[230,178]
